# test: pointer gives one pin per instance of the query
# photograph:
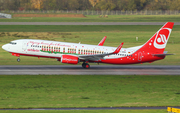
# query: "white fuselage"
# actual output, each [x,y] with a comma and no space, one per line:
[54,49]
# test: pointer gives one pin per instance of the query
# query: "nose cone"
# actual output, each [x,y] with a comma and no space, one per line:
[5,47]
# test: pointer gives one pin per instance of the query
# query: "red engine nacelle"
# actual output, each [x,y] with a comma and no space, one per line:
[69,59]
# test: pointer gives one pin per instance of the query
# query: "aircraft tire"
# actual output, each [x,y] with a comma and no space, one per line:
[85,65]
[18,60]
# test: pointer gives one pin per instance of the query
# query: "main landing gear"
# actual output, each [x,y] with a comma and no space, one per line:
[85,65]
[18,60]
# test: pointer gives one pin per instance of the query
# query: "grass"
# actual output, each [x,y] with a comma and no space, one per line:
[85,35]
[86,111]
[96,18]
[33,91]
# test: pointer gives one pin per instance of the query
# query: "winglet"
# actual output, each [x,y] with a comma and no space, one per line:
[102,41]
[118,49]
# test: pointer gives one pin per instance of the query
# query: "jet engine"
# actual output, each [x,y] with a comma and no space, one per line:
[69,59]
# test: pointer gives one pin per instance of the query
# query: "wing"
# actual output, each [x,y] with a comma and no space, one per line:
[102,41]
[99,56]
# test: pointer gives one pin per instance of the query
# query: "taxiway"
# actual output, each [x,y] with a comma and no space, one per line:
[85,23]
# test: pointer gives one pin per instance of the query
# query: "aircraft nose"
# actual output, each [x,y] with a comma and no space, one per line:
[5,47]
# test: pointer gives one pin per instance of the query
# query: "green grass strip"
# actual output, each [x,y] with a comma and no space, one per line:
[85,111]
[31,91]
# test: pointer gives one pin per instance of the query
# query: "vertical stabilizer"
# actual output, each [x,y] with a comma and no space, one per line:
[157,43]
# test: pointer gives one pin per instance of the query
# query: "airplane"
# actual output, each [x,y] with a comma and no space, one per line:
[73,53]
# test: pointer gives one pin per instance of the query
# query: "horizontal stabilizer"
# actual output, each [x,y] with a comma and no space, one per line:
[159,55]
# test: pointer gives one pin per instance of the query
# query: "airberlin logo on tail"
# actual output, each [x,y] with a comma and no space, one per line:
[161,38]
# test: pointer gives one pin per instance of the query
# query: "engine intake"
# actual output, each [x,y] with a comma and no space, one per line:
[69,59]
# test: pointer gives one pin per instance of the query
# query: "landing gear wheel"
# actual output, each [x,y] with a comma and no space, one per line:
[85,65]
[18,59]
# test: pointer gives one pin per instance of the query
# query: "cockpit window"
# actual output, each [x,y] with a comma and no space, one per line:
[13,43]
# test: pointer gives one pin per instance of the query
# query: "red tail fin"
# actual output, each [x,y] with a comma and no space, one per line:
[102,41]
[157,43]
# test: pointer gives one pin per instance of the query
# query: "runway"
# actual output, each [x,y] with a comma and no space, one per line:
[94,70]
[85,23]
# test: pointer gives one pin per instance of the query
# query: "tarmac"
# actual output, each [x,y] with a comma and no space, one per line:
[93,70]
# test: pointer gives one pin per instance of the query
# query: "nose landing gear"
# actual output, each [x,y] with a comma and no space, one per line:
[18,60]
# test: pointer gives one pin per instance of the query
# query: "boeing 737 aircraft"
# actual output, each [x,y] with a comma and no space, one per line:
[73,53]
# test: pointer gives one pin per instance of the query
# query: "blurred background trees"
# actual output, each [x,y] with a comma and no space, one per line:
[130,5]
